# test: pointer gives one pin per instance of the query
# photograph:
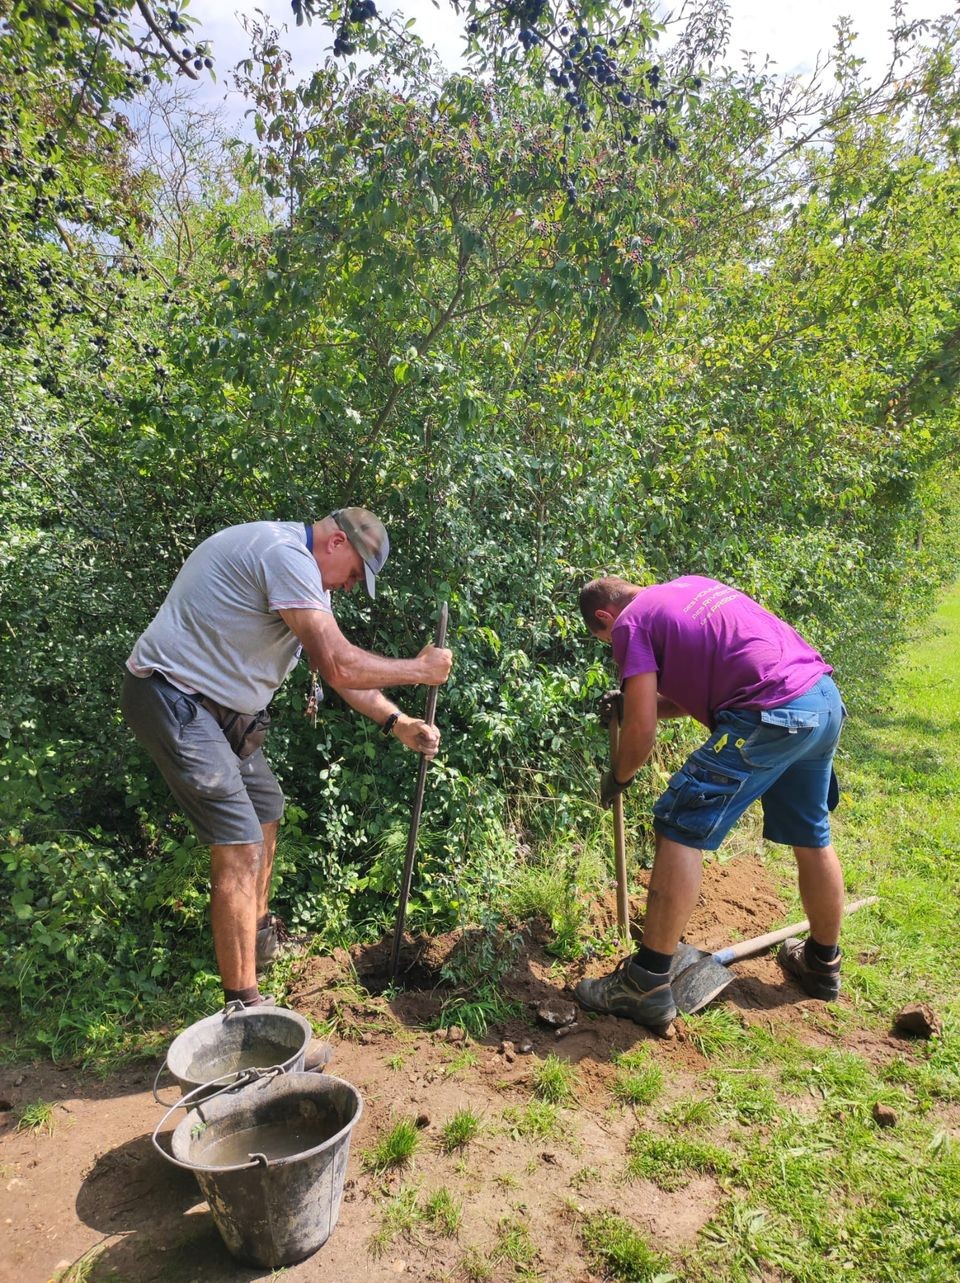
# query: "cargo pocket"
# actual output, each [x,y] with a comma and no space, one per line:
[696,800]
[780,733]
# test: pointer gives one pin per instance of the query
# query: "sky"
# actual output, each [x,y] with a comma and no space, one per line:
[790,34]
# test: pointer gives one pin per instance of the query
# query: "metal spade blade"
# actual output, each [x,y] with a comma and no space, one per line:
[697,977]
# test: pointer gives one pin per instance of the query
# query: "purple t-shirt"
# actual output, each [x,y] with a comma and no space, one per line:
[713,647]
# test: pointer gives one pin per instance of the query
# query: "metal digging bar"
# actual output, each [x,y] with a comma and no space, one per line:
[697,977]
[407,878]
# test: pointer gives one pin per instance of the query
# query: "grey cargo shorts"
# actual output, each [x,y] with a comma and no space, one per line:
[225,799]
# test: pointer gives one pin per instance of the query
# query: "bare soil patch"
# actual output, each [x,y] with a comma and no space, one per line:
[95,1183]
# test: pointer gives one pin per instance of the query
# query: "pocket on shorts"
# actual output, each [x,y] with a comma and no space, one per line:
[206,761]
[184,710]
[781,732]
[697,798]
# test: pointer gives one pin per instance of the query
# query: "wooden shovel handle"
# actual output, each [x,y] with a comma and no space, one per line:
[747,948]
[619,843]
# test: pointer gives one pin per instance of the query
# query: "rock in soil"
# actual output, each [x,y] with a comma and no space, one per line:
[556,1013]
[884,1116]
[918,1020]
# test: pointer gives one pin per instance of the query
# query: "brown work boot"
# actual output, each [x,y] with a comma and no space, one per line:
[275,941]
[644,997]
[818,979]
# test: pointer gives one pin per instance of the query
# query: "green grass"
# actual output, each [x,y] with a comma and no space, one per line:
[405,1213]
[399,1215]
[620,1253]
[395,1149]
[671,1161]
[465,1059]
[688,1113]
[716,1032]
[638,1081]
[555,1080]
[443,1213]
[514,1244]
[478,1012]
[538,1120]
[81,1270]
[460,1130]
[475,1267]
[37,1117]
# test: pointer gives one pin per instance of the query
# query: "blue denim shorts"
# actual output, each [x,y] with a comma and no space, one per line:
[783,756]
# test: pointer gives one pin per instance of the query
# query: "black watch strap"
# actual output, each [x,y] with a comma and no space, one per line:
[390,723]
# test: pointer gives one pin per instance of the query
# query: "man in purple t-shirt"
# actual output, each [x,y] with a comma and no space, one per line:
[695,647]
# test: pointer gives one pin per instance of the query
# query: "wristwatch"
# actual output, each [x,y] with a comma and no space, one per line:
[390,723]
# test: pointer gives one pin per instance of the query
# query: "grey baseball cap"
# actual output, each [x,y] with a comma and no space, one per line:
[369,537]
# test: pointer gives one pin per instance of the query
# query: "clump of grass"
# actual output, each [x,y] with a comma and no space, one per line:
[394,1149]
[460,1130]
[443,1213]
[403,1213]
[465,1059]
[838,1076]
[36,1117]
[669,1161]
[395,1062]
[688,1113]
[716,1031]
[514,1244]
[747,1097]
[620,1253]
[638,1082]
[537,1120]
[506,1180]
[475,1266]
[81,1271]
[476,1014]
[399,1216]
[554,1080]
[584,1176]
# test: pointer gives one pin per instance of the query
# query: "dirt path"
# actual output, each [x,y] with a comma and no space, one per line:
[96,1185]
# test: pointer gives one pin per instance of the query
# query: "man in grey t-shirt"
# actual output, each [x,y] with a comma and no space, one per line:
[245,604]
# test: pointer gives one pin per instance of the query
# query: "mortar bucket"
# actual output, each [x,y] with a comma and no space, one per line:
[270,1157]
[236,1039]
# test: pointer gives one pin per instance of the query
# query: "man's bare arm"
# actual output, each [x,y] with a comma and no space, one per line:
[638,734]
[666,708]
[348,667]
[412,732]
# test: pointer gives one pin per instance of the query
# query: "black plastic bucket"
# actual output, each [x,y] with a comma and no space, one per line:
[236,1039]
[291,1133]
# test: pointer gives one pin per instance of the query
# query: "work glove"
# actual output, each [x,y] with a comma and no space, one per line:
[611,787]
[610,707]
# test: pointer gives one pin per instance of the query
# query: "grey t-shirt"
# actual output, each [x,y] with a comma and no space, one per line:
[218,631]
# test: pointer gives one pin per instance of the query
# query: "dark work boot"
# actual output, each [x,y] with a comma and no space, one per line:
[642,996]
[818,979]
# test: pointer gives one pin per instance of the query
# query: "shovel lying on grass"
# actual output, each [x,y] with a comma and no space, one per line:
[696,977]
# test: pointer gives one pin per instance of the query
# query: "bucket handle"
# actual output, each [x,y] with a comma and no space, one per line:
[156,1096]
[227,1010]
[247,1076]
